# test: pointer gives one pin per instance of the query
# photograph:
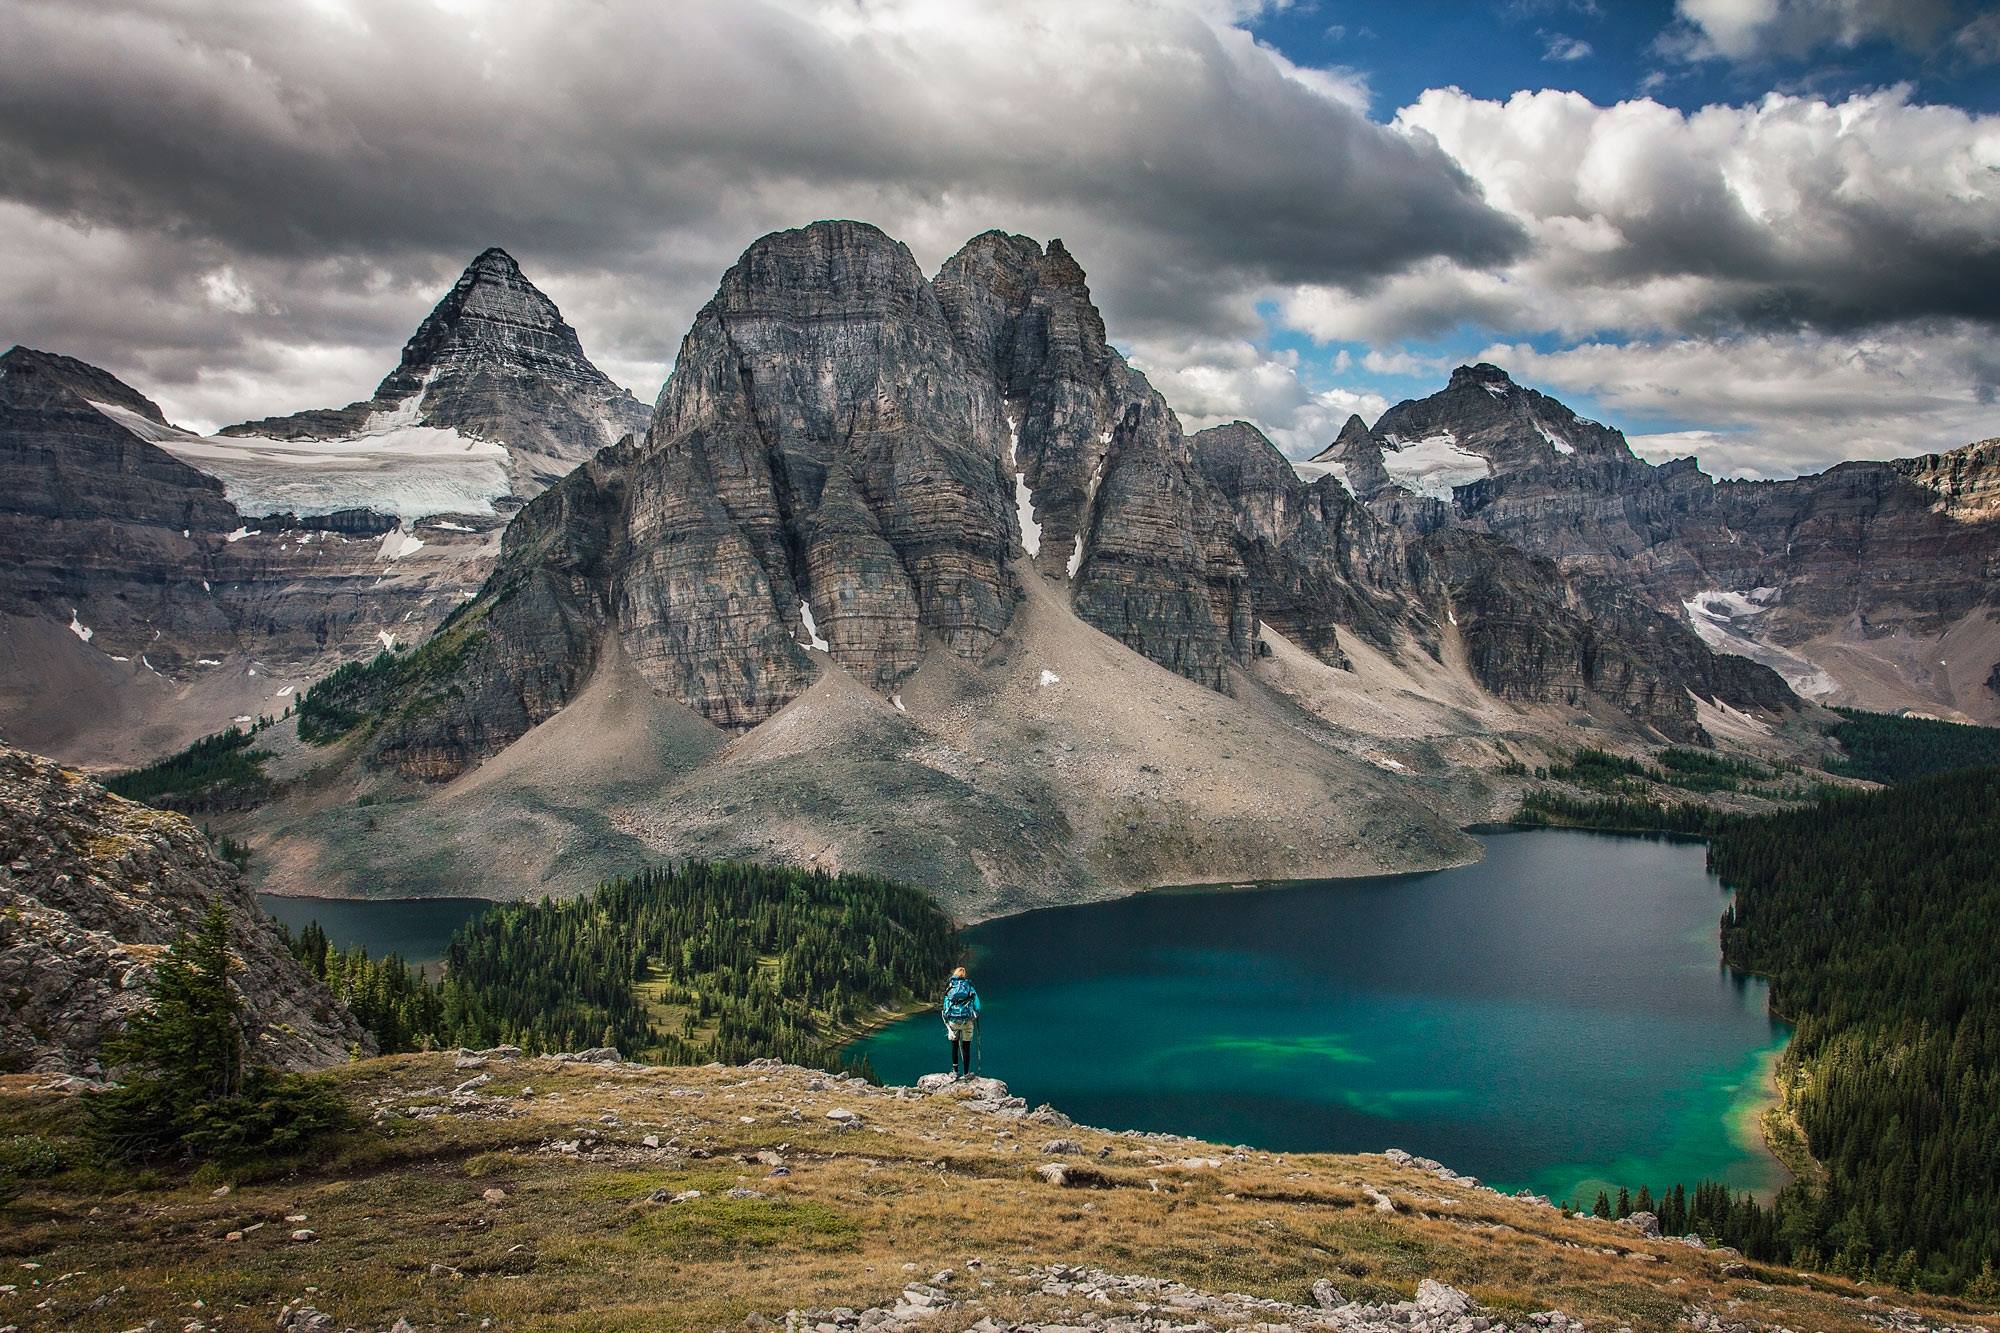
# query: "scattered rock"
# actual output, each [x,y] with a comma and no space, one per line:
[1646,1224]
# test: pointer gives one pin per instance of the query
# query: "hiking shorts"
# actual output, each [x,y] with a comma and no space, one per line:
[961,1031]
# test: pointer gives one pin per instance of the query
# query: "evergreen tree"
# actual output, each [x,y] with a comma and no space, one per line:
[187,1088]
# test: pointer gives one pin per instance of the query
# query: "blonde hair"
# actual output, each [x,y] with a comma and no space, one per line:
[958,972]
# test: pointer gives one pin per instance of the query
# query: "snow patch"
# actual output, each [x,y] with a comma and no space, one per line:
[387,640]
[144,427]
[282,693]
[1725,621]
[397,543]
[233,537]
[208,661]
[1089,509]
[813,639]
[1050,678]
[451,527]
[1308,470]
[1497,390]
[1555,441]
[1434,465]
[391,464]
[205,587]
[897,700]
[1024,499]
[243,718]
[78,628]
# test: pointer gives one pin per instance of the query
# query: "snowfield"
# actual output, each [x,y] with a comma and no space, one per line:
[391,465]
[1725,622]
[1433,465]
[1309,471]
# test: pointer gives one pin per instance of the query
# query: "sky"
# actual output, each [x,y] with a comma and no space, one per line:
[1765,232]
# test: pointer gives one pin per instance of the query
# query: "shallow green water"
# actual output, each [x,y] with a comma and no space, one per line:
[1554,1017]
[417,928]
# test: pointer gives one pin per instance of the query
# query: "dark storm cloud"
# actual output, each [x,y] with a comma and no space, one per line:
[632,149]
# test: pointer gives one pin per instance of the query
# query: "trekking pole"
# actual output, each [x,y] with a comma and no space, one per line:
[979,1048]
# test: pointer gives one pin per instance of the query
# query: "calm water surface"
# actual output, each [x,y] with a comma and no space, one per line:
[417,928]
[1554,1017]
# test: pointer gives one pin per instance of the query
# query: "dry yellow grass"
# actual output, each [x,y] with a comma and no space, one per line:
[406,1227]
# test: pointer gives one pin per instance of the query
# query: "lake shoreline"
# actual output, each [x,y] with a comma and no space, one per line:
[1327,1079]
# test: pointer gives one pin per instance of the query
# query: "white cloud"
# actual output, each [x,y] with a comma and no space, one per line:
[1745,30]
[1564,48]
[333,160]
[1209,383]
[1776,405]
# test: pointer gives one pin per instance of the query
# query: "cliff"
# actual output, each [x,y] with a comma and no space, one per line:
[92,891]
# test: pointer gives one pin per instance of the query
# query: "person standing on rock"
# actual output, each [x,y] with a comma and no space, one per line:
[961,1017]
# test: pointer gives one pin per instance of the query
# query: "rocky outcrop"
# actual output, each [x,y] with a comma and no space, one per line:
[93,889]
[1533,636]
[495,361]
[1316,559]
[1108,495]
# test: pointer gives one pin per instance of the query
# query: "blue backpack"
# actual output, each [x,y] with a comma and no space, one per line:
[959,998]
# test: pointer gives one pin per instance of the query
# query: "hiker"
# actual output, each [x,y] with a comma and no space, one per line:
[961,1015]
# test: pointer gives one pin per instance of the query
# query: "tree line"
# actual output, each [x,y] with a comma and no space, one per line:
[1875,916]
[700,961]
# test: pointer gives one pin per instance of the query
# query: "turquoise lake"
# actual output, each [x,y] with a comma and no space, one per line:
[1555,1017]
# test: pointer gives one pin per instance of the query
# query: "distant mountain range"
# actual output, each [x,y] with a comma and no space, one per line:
[918,574]
[162,583]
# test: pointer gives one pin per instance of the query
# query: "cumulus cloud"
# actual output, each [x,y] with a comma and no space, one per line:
[245,208]
[360,150]
[1746,30]
[1210,382]
[1778,405]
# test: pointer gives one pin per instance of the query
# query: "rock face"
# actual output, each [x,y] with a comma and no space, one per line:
[495,361]
[853,466]
[92,891]
[1872,582]
[102,530]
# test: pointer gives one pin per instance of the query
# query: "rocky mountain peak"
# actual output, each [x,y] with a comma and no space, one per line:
[491,315]
[494,362]
[1483,372]
[47,373]
[1483,424]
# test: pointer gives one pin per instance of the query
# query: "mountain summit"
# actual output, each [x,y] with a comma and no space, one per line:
[494,378]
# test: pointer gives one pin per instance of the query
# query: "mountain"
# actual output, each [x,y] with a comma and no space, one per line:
[92,890]
[492,401]
[163,584]
[1873,583]
[919,575]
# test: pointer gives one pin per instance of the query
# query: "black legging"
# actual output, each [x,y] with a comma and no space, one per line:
[961,1051]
